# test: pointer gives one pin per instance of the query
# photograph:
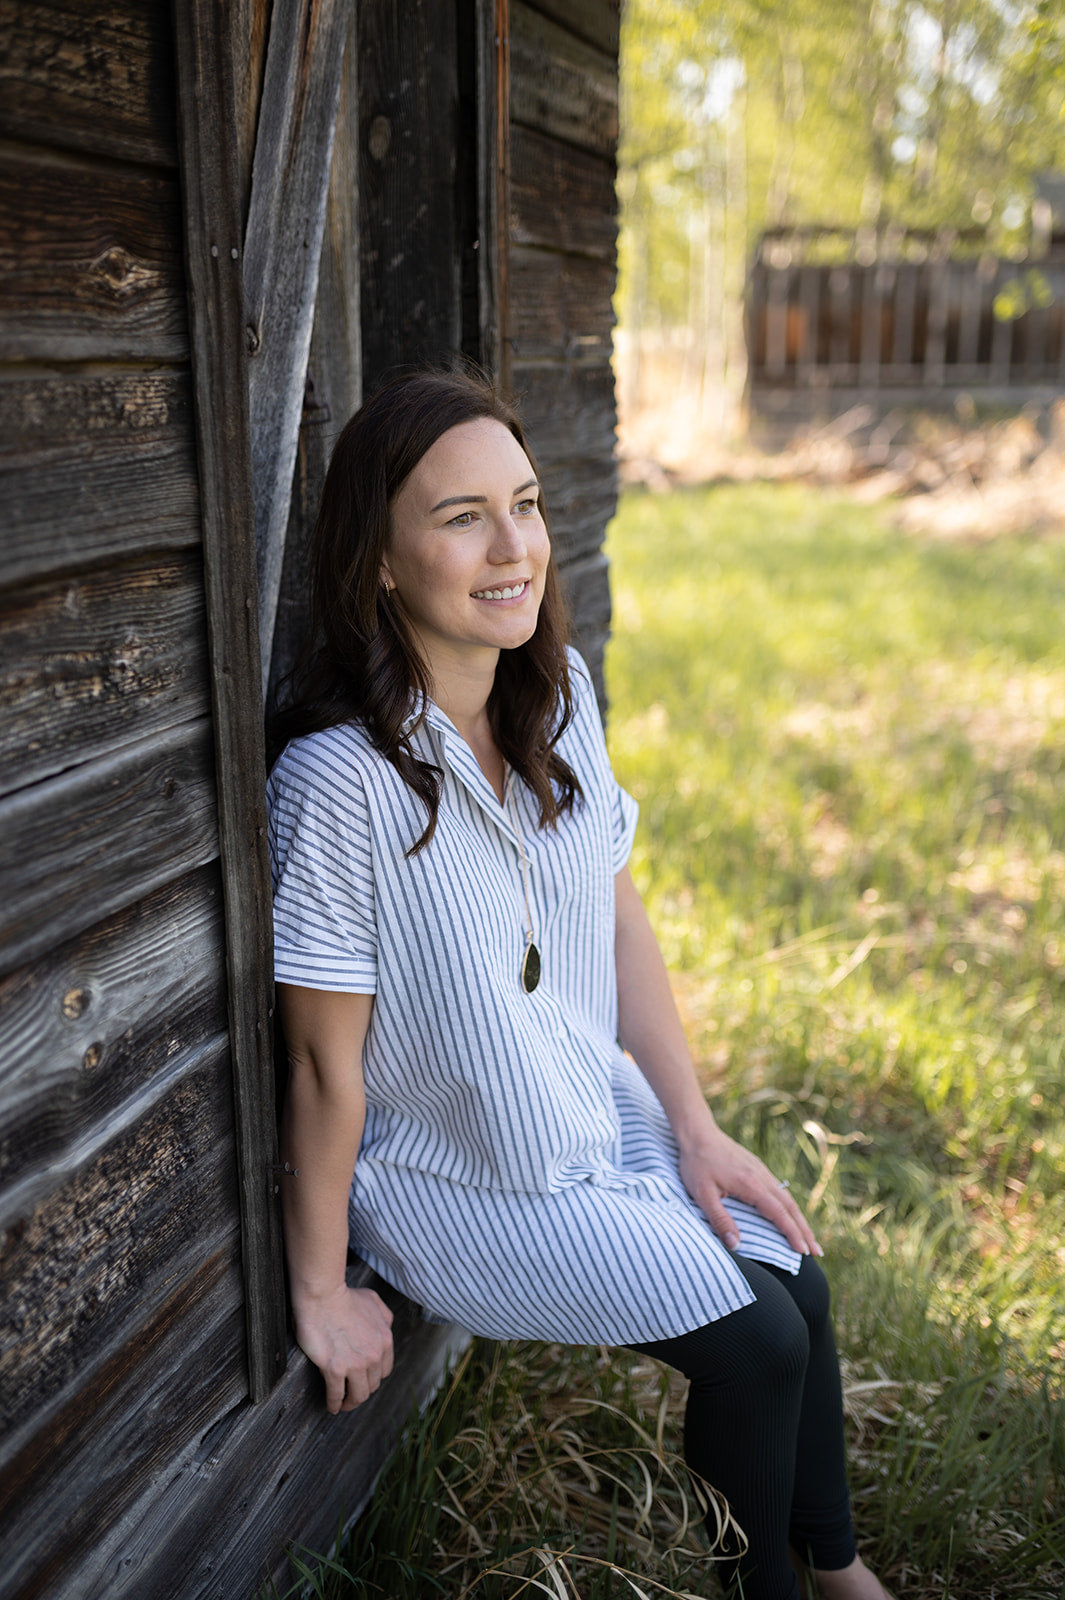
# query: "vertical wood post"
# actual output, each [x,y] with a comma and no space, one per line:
[212,212]
[289,186]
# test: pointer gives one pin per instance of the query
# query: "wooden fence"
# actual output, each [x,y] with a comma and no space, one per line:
[924,323]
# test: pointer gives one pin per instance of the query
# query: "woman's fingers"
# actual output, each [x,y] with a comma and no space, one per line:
[725,1169]
[349,1339]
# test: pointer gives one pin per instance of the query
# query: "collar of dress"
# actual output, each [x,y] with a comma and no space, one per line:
[453,754]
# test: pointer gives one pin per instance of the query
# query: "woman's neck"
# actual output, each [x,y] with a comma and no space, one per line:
[463,697]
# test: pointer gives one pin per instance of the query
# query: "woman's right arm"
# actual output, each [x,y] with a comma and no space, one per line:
[345,1332]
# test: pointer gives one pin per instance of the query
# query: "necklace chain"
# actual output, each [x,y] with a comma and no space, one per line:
[530,961]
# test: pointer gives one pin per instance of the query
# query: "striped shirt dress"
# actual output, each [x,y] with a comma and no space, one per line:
[516,1173]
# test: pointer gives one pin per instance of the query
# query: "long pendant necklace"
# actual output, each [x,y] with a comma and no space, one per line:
[530,961]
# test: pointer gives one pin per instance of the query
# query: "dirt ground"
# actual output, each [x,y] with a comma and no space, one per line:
[951,476]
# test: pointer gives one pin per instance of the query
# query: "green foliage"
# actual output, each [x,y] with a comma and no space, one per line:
[849,750]
[936,114]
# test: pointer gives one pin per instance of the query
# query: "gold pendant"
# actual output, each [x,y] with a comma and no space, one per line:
[530,968]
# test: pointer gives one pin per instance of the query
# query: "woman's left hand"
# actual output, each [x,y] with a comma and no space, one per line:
[716,1167]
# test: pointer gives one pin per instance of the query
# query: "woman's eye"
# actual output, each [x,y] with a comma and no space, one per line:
[463,520]
[527,508]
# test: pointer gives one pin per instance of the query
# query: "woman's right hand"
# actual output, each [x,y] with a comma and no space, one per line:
[348,1336]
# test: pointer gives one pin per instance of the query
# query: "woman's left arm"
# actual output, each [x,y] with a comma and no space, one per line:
[649,1027]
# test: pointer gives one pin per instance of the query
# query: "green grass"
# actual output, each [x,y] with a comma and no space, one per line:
[849,751]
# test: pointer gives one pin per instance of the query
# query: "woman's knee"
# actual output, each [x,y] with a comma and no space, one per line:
[810,1291]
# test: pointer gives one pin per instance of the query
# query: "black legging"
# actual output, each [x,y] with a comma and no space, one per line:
[764,1425]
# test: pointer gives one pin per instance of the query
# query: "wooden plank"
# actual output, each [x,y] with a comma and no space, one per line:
[581,499]
[560,85]
[177,1474]
[249,27]
[587,586]
[118,1435]
[904,355]
[88,1266]
[90,263]
[210,179]
[409,223]
[98,78]
[561,198]
[83,845]
[334,372]
[560,306]
[810,281]
[92,1034]
[935,347]
[970,315]
[94,467]
[597,21]
[839,301]
[324,1474]
[569,412]
[283,241]
[874,289]
[486,277]
[776,320]
[90,662]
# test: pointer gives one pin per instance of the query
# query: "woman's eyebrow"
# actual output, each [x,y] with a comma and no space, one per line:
[460,500]
[477,499]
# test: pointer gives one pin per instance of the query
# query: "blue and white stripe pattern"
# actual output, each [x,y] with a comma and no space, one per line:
[516,1173]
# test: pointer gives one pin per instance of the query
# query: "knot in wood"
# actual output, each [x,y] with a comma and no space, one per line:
[91,1058]
[75,1003]
[380,137]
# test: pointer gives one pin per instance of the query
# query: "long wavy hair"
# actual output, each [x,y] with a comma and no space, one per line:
[363,662]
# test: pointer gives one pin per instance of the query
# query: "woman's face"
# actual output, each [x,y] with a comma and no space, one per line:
[468,548]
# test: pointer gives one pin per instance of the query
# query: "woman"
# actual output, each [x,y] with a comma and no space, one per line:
[459,949]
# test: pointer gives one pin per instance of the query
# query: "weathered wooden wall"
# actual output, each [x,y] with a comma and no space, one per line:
[121,1245]
[130,1447]
[562,228]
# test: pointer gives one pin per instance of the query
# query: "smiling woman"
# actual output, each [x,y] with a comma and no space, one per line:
[467,560]
[490,1095]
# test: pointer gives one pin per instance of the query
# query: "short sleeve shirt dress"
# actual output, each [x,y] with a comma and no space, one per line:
[516,1173]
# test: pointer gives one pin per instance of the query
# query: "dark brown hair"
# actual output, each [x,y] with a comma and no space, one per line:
[363,662]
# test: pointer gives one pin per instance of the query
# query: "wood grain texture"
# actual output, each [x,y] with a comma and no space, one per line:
[89,76]
[409,220]
[597,21]
[80,846]
[96,1031]
[89,662]
[560,85]
[569,411]
[560,307]
[195,1480]
[290,180]
[90,262]
[116,1437]
[587,585]
[249,27]
[210,184]
[334,371]
[94,467]
[323,1473]
[581,499]
[92,1263]
[561,198]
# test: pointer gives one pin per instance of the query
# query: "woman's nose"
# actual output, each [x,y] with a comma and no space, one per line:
[509,541]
